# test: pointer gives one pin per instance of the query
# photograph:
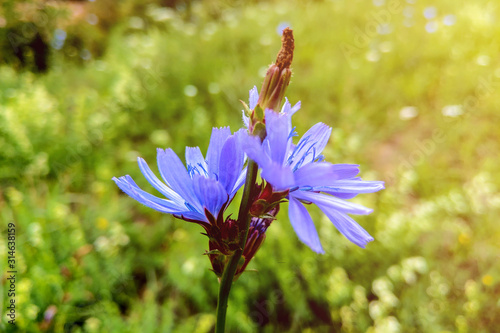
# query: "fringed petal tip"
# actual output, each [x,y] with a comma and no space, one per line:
[254,97]
[246,119]
[365,242]
[348,227]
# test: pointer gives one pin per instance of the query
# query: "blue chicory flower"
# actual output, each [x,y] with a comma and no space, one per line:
[205,188]
[300,169]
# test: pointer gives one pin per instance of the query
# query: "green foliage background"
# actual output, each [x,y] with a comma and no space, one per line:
[417,109]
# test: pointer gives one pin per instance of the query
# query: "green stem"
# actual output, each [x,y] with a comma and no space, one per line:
[232,265]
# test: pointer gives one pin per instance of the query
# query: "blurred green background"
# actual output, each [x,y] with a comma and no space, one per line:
[410,88]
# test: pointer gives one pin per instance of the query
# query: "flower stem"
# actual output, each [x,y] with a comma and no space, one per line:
[232,265]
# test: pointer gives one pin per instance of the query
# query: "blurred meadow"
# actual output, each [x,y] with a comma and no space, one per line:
[410,88]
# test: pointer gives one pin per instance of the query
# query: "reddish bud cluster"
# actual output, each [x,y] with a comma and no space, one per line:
[266,200]
[224,240]
[224,235]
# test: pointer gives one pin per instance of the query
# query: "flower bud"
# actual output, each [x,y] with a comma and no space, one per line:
[256,236]
[274,86]
[224,241]
[278,75]
[266,200]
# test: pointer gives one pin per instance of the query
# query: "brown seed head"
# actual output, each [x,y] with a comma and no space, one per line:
[285,55]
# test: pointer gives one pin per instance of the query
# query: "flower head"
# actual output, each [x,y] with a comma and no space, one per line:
[300,169]
[200,191]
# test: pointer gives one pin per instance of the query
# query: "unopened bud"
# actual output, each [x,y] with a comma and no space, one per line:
[266,200]
[278,75]
[256,236]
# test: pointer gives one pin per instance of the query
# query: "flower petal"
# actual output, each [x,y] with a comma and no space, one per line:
[246,119]
[287,107]
[210,193]
[157,184]
[239,182]
[303,225]
[253,148]
[254,97]
[217,140]
[310,146]
[241,136]
[281,177]
[278,127]
[190,216]
[231,163]
[330,202]
[345,171]
[348,227]
[324,173]
[345,196]
[195,162]
[351,186]
[174,174]
[295,108]
[127,185]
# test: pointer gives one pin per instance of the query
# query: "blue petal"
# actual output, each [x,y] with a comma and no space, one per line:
[348,227]
[287,108]
[323,173]
[210,193]
[254,97]
[241,136]
[217,140]
[195,162]
[310,145]
[246,119]
[278,127]
[351,186]
[345,171]
[330,202]
[174,174]
[253,148]
[231,163]
[127,185]
[157,184]
[239,182]
[342,195]
[190,215]
[303,225]
[295,108]
[281,177]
